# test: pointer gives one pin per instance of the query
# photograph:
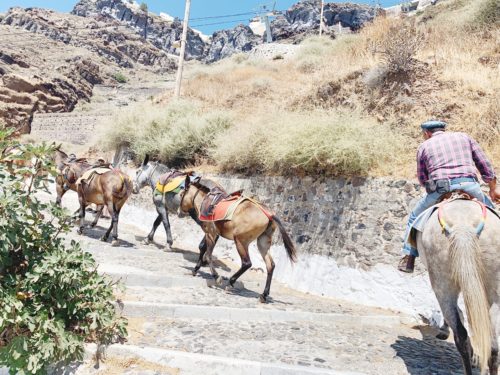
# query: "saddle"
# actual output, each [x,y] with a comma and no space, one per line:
[214,197]
[166,177]
[170,182]
[455,194]
[89,175]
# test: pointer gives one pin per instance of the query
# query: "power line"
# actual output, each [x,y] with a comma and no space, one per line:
[218,23]
[224,16]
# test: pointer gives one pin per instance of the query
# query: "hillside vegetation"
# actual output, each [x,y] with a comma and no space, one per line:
[348,106]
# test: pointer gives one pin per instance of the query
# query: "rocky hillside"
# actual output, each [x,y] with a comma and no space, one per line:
[295,23]
[50,61]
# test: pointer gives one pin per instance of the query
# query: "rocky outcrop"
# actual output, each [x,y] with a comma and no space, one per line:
[301,19]
[304,18]
[157,30]
[228,42]
[23,95]
[104,38]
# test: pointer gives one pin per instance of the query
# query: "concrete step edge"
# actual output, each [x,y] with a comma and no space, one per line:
[194,363]
[137,309]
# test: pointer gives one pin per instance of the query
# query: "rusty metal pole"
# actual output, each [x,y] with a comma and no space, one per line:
[183,50]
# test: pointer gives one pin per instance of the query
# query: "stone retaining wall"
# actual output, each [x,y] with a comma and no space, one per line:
[357,222]
[76,128]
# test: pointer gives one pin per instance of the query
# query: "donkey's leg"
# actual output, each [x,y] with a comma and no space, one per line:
[246,263]
[493,362]
[451,312]
[114,218]
[203,249]
[444,332]
[97,215]
[162,211]
[60,191]
[151,234]
[264,243]
[82,214]
[210,241]
[110,206]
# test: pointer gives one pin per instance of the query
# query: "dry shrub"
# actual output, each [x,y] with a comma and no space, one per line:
[178,133]
[399,47]
[315,143]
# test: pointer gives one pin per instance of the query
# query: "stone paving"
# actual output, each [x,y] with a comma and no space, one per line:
[356,343]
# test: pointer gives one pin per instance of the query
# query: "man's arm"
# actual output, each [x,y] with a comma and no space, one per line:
[422,173]
[486,169]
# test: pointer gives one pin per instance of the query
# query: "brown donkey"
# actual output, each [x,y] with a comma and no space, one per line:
[251,221]
[111,189]
[70,170]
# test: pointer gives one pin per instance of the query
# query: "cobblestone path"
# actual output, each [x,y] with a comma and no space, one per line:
[180,324]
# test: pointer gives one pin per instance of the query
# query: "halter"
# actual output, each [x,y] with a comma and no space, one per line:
[149,177]
[446,228]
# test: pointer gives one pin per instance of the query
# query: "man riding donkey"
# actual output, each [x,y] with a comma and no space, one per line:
[447,161]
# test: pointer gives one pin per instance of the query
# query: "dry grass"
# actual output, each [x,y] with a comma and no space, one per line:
[312,143]
[290,115]
[179,133]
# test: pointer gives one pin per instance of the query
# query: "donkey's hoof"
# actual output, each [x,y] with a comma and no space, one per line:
[115,243]
[219,280]
[443,335]
[146,241]
[104,239]
[194,272]
[168,248]
[79,231]
[262,298]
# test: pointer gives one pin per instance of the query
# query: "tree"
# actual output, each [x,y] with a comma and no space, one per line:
[52,300]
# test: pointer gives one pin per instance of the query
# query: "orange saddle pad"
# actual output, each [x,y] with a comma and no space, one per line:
[224,210]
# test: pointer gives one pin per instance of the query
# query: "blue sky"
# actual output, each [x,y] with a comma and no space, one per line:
[199,8]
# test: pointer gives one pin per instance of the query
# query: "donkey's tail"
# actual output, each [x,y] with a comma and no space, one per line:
[468,272]
[289,246]
[125,189]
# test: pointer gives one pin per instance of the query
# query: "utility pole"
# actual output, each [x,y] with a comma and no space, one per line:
[265,12]
[321,18]
[183,50]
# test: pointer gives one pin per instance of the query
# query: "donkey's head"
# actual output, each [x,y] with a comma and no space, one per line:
[143,175]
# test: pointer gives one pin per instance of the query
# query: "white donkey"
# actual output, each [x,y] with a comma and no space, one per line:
[460,246]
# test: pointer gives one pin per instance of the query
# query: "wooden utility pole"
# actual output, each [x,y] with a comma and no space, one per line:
[321,18]
[183,50]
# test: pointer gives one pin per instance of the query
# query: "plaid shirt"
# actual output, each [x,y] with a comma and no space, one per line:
[452,155]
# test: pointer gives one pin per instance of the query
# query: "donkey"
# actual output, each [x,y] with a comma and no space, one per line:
[251,221]
[148,175]
[69,173]
[461,257]
[111,189]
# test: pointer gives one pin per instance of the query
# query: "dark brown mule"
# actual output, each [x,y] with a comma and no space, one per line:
[111,189]
[249,223]
[70,170]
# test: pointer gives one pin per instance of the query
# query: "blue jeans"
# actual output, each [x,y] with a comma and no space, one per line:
[472,188]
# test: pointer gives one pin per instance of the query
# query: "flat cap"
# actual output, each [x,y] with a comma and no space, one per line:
[433,124]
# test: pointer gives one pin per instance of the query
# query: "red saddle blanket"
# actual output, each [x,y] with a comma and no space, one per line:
[221,210]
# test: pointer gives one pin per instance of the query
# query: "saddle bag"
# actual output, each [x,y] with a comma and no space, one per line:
[437,186]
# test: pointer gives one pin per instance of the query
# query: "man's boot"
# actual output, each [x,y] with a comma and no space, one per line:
[407,264]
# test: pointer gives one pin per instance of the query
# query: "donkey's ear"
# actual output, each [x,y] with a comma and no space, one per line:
[187,181]
[146,160]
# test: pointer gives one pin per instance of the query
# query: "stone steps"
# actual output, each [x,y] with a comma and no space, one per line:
[190,325]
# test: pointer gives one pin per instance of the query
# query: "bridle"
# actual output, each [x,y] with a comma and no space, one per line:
[149,178]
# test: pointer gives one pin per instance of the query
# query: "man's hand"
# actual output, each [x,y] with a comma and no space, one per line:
[494,191]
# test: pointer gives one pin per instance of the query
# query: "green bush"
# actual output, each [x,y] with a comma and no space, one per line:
[178,133]
[120,77]
[52,298]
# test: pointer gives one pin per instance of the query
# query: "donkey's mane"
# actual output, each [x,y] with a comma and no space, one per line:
[207,185]
[162,168]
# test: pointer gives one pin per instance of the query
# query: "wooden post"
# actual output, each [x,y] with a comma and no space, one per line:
[183,50]
[321,18]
